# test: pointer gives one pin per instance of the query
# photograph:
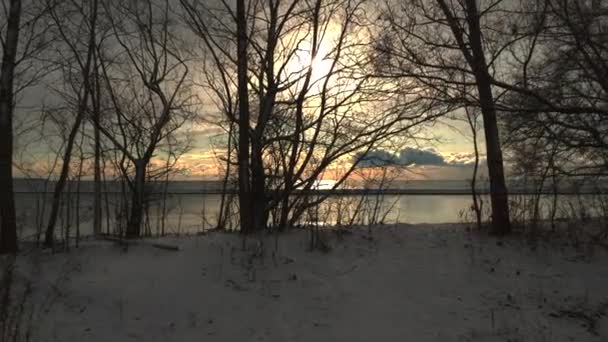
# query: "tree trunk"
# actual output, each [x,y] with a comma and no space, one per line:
[80,166]
[65,169]
[477,206]
[224,208]
[137,200]
[97,163]
[80,112]
[106,194]
[97,186]
[259,213]
[245,199]
[67,225]
[8,225]
[163,217]
[284,218]
[498,190]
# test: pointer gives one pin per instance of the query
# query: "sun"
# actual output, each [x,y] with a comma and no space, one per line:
[321,64]
[302,62]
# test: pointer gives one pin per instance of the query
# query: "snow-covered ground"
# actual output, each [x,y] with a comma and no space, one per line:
[404,283]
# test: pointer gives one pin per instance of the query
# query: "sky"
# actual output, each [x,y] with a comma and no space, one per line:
[449,156]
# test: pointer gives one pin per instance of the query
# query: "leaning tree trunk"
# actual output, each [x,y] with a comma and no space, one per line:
[49,236]
[80,112]
[8,226]
[498,190]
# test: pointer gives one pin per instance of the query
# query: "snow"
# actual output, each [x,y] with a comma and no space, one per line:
[402,283]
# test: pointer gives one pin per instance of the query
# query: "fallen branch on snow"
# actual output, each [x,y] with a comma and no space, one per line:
[127,243]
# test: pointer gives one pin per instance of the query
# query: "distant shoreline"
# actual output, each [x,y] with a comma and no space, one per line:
[399,188]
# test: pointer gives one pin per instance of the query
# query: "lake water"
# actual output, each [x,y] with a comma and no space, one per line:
[193,213]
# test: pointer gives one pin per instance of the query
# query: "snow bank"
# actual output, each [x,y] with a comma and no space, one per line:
[403,283]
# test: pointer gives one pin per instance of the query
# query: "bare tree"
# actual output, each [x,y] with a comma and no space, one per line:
[438,42]
[313,100]
[143,77]
[473,121]
[557,91]
[97,147]
[81,87]
[247,216]
[475,55]
[8,227]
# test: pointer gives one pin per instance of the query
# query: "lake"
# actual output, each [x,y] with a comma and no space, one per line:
[194,213]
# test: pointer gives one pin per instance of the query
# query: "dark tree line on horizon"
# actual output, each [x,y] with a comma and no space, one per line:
[296,87]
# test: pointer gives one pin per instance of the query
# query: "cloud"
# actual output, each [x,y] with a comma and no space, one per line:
[411,156]
[414,156]
[376,158]
[207,131]
[462,159]
[406,157]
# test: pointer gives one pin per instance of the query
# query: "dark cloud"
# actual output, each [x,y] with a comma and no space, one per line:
[414,156]
[376,158]
[410,156]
